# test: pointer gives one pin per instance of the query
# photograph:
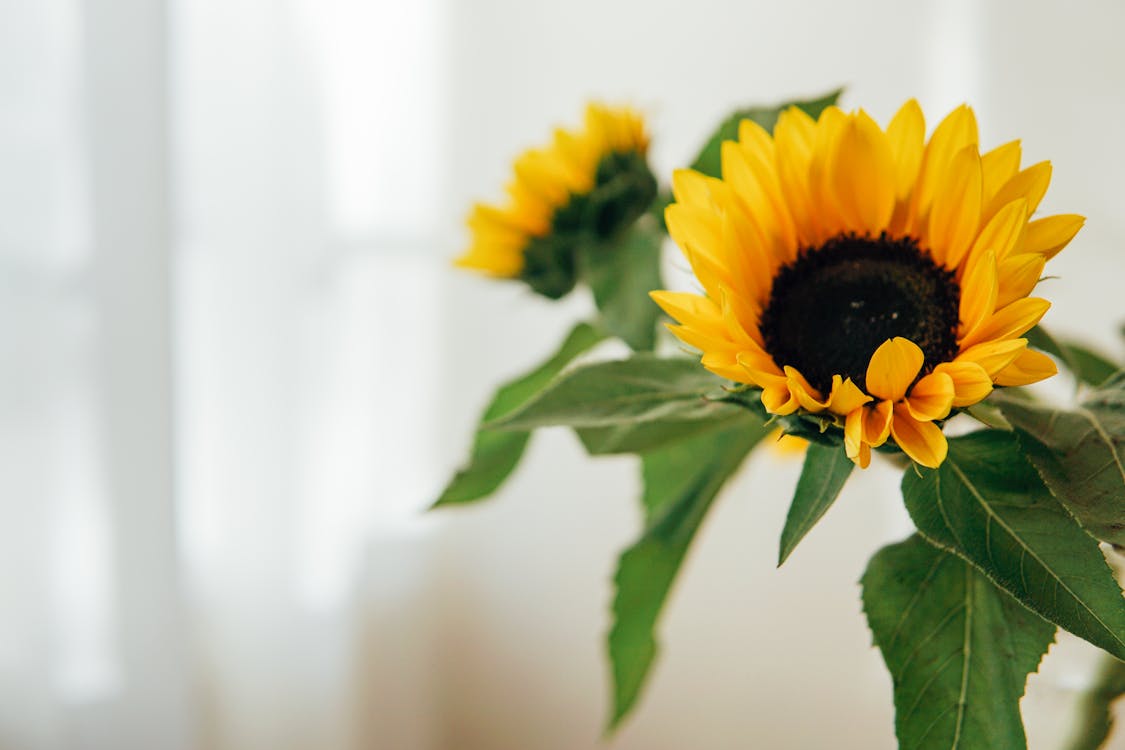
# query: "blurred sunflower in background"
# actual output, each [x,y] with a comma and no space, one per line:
[866,276]
[589,183]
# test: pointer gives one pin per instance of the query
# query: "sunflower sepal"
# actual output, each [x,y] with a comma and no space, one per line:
[989,414]
[816,428]
[549,265]
[625,190]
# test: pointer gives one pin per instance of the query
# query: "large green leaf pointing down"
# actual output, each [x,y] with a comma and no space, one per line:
[958,648]
[644,388]
[987,504]
[826,469]
[495,453]
[1080,454]
[681,481]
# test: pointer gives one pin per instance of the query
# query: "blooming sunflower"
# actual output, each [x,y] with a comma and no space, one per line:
[594,180]
[866,276]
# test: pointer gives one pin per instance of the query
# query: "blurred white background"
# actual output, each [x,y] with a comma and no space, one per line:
[236,366]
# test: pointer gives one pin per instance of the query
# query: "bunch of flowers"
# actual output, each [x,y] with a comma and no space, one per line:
[859,287]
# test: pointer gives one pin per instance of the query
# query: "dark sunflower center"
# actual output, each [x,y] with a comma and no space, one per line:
[830,309]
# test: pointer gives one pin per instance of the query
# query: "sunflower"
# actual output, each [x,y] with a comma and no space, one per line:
[864,276]
[591,181]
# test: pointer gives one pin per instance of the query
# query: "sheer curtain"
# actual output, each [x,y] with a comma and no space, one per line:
[236,367]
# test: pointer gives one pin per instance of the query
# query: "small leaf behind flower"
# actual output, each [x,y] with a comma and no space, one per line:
[987,504]
[621,272]
[643,388]
[1080,453]
[495,453]
[1085,364]
[958,648]
[826,470]
[709,161]
[681,481]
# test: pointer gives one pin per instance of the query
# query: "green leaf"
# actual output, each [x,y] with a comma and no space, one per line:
[495,453]
[826,470]
[709,161]
[681,481]
[1095,715]
[1087,365]
[959,649]
[1080,453]
[987,504]
[1090,367]
[621,273]
[644,388]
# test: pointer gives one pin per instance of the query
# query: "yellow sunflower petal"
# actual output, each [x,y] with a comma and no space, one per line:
[877,423]
[1003,233]
[778,398]
[931,397]
[750,258]
[1030,367]
[955,217]
[862,174]
[971,382]
[828,216]
[808,397]
[906,134]
[760,151]
[992,356]
[794,136]
[1051,234]
[694,189]
[998,166]
[694,227]
[760,366]
[854,446]
[756,187]
[957,131]
[924,442]
[1009,321]
[1018,276]
[846,397]
[1030,183]
[866,427]
[853,431]
[893,367]
[979,291]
